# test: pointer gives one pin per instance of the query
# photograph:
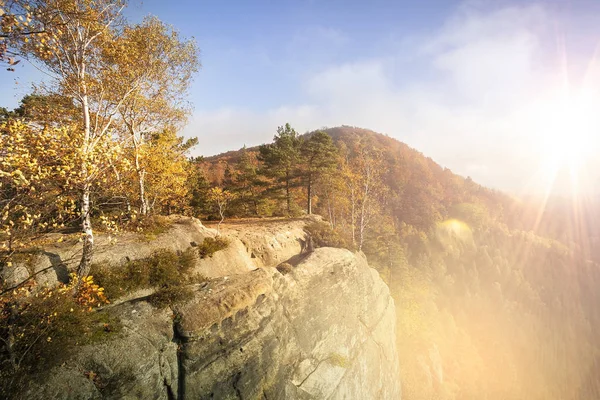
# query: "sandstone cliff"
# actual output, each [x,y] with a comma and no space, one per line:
[325,329]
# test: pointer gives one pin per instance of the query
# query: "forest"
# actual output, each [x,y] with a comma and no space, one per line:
[496,296]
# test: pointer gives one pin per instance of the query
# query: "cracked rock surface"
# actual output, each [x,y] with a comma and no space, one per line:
[324,330]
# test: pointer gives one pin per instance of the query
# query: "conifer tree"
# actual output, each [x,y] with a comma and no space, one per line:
[246,182]
[281,159]
[318,157]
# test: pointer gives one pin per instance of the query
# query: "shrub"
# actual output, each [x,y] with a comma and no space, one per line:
[150,226]
[339,360]
[187,260]
[210,246]
[285,268]
[163,268]
[170,295]
[43,330]
[324,236]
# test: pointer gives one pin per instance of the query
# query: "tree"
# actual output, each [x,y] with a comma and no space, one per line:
[52,110]
[23,21]
[220,198]
[38,184]
[38,145]
[280,160]
[168,170]
[163,66]
[85,53]
[198,186]
[318,157]
[363,175]
[74,57]
[246,185]
[350,182]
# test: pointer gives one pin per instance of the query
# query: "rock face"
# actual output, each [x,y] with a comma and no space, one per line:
[322,329]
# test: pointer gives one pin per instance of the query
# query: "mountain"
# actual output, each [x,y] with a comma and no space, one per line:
[496,297]
[568,219]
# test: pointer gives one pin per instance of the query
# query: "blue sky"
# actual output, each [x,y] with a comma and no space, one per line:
[472,84]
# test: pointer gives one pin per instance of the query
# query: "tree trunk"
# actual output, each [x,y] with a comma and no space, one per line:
[141,178]
[353,216]
[309,205]
[86,223]
[364,209]
[330,211]
[121,187]
[222,214]
[88,235]
[143,200]
[255,203]
[361,230]
[287,192]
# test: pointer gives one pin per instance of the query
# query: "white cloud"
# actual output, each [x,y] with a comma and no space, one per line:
[231,128]
[486,69]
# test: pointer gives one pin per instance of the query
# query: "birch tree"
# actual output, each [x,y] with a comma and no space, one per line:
[362,173]
[221,199]
[75,56]
[37,180]
[162,66]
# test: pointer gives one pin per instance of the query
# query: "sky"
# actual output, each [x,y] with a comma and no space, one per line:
[493,89]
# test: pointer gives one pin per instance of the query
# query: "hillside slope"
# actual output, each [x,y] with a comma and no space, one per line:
[496,297]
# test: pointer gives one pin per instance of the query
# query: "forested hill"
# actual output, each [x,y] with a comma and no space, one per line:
[569,219]
[496,297]
[427,192]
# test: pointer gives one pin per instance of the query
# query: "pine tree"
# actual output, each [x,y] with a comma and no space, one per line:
[246,182]
[319,155]
[281,159]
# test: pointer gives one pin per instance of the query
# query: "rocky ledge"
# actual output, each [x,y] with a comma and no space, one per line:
[322,328]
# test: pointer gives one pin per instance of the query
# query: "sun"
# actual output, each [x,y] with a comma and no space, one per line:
[567,134]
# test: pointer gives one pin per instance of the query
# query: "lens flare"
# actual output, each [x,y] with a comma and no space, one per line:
[453,231]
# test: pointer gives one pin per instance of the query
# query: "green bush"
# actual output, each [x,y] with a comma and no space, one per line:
[210,246]
[324,236]
[45,328]
[170,295]
[162,269]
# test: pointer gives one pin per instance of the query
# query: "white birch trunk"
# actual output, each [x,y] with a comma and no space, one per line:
[86,223]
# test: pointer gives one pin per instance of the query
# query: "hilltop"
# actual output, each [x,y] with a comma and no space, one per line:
[407,171]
